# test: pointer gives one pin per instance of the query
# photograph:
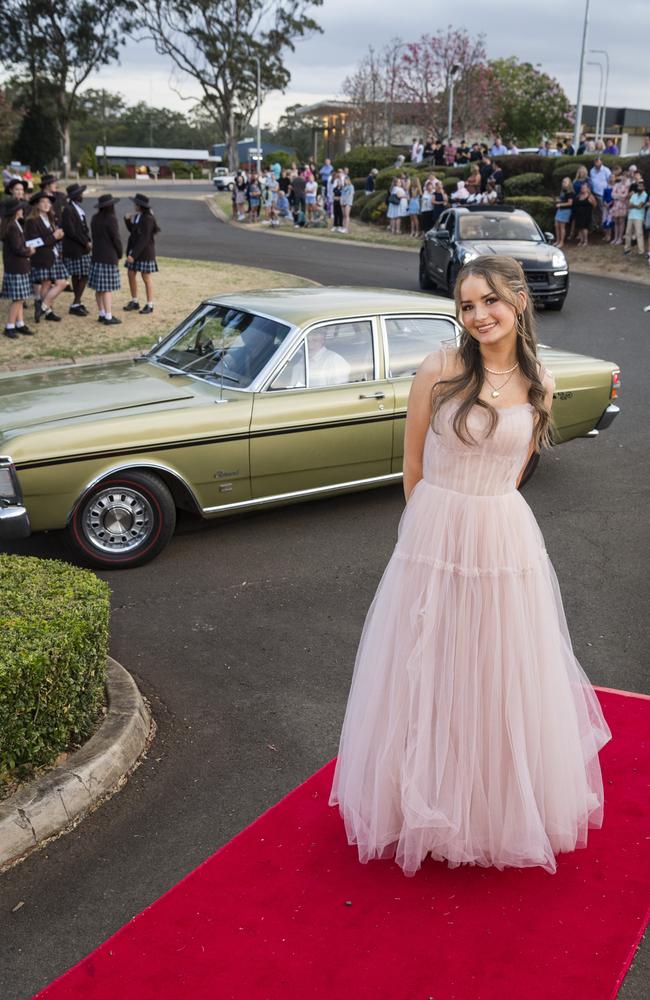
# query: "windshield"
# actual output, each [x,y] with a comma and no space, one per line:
[222,343]
[497,227]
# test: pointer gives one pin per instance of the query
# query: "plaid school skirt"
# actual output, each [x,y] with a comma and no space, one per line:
[104,277]
[58,272]
[78,267]
[16,286]
[144,266]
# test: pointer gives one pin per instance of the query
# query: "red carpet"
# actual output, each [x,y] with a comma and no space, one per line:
[286,911]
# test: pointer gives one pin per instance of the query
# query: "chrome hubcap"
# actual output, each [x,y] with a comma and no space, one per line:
[117,520]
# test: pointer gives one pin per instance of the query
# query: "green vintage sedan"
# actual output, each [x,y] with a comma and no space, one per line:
[254,400]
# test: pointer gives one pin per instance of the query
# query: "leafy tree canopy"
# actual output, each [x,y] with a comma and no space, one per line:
[528,104]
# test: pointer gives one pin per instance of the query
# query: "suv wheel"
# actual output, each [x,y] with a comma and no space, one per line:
[123,521]
[426,284]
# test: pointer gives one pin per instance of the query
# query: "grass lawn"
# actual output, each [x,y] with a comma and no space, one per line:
[179,287]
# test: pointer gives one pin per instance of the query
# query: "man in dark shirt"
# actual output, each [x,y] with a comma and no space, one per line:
[487,169]
[475,153]
[298,188]
[462,153]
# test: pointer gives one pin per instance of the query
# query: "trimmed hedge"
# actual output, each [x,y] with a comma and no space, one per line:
[54,628]
[361,160]
[541,208]
[524,184]
[374,209]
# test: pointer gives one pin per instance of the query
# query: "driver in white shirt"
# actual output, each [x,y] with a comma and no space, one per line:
[326,367]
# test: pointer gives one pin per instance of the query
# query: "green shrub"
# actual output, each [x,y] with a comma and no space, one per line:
[359,203]
[541,208]
[54,628]
[117,169]
[361,160]
[374,209]
[524,184]
[284,159]
[450,184]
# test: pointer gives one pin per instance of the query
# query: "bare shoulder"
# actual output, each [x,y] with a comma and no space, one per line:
[443,359]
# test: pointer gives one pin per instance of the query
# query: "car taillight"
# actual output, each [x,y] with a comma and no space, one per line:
[616,384]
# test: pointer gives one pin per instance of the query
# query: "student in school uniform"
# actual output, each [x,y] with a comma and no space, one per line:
[16,281]
[76,245]
[49,273]
[48,186]
[141,252]
[104,277]
[15,189]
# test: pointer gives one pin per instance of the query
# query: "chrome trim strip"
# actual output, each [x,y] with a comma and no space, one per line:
[314,491]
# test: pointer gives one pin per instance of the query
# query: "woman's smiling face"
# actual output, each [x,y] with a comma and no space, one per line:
[485,316]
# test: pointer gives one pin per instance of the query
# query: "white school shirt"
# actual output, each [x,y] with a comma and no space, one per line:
[328,368]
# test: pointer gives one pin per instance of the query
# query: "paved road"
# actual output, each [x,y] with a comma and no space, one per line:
[243,633]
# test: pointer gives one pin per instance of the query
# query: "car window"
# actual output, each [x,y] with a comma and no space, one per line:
[219,342]
[293,374]
[501,226]
[451,223]
[338,353]
[411,338]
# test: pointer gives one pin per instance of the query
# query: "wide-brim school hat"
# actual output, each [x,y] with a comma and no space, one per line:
[141,199]
[105,200]
[12,183]
[35,198]
[47,179]
[11,206]
[75,190]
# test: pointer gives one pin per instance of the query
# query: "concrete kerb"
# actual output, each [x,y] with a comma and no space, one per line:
[57,802]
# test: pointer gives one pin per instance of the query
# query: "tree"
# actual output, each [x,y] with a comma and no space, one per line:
[367,90]
[529,104]
[292,130]
[215,43]
[10,118]
[36,144]
[63,43]
[427,70]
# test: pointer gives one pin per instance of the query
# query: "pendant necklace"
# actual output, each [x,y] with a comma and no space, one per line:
[496,391]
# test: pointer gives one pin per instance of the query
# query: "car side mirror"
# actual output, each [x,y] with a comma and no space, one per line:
[549,237]
[443,235]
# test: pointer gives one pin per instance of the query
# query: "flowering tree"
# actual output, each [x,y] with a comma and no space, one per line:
[431,65]
[528,104]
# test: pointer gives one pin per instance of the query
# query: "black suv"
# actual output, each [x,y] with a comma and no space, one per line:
[465,232]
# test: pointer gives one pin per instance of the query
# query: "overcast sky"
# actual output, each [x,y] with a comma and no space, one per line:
[548,33]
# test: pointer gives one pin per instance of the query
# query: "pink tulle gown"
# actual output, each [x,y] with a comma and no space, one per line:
[471,732]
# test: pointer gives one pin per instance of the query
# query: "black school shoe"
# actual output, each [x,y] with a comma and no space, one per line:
[113,321]
[146,311]
[77,311]
[12,334]
[52,317]
[26,332]
[131,306]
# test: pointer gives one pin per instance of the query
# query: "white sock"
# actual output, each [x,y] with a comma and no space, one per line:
[101,313]
[108,315]
[10,326]
[150,304]
[134,300]
[47,309]
[19,323]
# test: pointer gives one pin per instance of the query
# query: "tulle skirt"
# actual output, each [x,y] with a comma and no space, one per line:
[471,732]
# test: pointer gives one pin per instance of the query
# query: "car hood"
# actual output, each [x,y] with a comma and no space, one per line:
[525,251]
[35,399]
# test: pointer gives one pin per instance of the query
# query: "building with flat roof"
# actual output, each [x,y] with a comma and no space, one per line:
[155,159]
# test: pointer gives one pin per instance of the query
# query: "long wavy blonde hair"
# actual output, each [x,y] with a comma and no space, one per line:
[506,278]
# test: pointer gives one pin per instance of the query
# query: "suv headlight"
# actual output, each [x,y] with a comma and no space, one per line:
[469,255]
[558,260]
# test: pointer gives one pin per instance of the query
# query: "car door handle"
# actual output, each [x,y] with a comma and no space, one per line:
[373,395]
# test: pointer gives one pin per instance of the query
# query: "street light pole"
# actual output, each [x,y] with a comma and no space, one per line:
[259,112]
[450,111]
[603,123]
[600,97]
[578,121]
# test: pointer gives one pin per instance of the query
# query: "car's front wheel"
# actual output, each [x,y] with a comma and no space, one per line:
[125,520]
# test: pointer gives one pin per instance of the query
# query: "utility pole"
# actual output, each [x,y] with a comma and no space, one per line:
[578,120]
[259,112]
[603,120]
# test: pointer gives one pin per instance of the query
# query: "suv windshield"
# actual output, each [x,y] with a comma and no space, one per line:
[480,226]
[220,342]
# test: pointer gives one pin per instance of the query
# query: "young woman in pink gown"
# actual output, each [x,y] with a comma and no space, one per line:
[472,732]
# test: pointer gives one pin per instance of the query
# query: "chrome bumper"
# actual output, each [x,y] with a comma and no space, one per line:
[14,523]
[608,416]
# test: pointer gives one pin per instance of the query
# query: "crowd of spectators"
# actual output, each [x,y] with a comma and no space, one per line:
[302,196]
[610,203]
